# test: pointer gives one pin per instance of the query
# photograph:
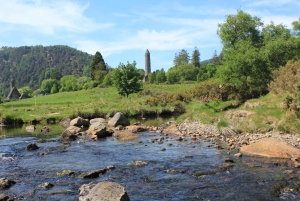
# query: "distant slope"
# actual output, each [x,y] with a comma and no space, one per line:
[206,61]
[28,65]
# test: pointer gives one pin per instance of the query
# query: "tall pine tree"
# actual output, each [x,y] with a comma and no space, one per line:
[98,67]
[196,57]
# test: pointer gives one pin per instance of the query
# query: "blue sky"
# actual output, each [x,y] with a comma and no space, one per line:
[122,30]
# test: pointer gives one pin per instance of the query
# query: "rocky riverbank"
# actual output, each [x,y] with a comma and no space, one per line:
[228,135]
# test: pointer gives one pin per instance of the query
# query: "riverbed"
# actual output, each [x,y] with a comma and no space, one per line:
[177,170]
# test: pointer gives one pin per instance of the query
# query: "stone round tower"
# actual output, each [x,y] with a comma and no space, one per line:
[147,65]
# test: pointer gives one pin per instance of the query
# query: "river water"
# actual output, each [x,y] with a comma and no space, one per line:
[169,175]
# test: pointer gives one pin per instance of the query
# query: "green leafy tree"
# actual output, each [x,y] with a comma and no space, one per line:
[185,72]
[151,78]
[48,84]
[172,78]
[181,58]
[98,67]
[161,76]
[240,27]
[207,71]
[250,55]
[55,88]
[196,57]
[126,79]
[68,83]
[26,91]
[109,79]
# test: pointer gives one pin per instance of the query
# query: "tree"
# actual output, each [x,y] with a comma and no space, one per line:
[181,58]
[151,78]
[239,27]
[161,76]
[126,79]
[250,55]
[68,83]
[26,91]
[172,77]
[98,67]
[48,84]
[196,57]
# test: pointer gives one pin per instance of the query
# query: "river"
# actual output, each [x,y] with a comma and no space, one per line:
[169,175]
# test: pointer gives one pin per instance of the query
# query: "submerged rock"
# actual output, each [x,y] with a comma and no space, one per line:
[118,119]
[32,147]
[125,135]
[136,128]
[6,183]
[93,174]
[108,191]
[4,197]
[139,163]
[46,185]
[45,129]
[271,147]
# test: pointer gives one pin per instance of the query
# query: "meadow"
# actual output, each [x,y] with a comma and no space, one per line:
[256,115]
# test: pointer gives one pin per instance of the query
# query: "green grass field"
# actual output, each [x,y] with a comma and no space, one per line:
[262,114]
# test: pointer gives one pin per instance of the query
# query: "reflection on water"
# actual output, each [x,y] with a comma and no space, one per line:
[168,176]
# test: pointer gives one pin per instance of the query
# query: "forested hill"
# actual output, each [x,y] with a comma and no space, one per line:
[30,65]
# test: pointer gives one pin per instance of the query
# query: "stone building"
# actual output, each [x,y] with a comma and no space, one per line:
[147,65]
[14,93]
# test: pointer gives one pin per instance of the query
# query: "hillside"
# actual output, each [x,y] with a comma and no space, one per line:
[29,65]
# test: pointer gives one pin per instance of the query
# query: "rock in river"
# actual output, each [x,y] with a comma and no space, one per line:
[70,133]
[30,128]
[108,191]
[125,135]
[6,183]
[98,129]
[118,119]
[32,147]
[79,122]
[271,147]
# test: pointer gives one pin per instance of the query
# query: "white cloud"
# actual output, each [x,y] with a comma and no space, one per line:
[272,3]
[152,39]
[47,16]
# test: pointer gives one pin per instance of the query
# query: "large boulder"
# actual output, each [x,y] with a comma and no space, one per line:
[100,120]
[118,119]
[108,191]
[271,147]
[125,135]
[172,130]
[70,133]
[65,122]
[79,122]
[98,129]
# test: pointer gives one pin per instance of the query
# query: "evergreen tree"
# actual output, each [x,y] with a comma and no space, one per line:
[196,58]
[98,67]
[181,58]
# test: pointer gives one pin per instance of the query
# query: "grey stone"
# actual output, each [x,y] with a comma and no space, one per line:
[118,119]
[108,191]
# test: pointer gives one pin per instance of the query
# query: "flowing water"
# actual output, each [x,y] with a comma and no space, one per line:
[169,175]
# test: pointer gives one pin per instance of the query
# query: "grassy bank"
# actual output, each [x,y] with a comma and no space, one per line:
[94,102]
[261,114]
